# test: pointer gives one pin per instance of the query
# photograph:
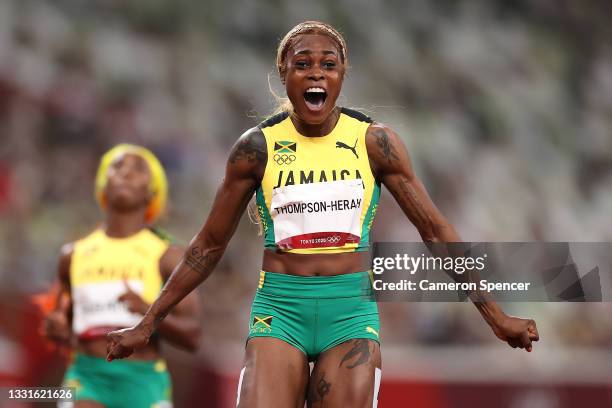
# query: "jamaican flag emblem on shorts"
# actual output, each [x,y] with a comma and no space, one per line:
[284,152]
[261,324]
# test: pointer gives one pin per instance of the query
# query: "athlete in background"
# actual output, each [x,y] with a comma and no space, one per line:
[316,170]
[108,280]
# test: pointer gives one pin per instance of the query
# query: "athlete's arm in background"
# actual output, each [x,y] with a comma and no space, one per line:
[391,165]
[243,173]
[57,323]
[182,326]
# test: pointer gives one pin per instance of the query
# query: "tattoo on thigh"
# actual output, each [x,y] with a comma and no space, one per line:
[360,351]
[318,391]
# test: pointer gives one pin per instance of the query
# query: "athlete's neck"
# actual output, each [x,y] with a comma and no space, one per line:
[316,130]
[121,225]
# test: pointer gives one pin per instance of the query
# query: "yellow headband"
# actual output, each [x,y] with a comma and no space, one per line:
[158,186]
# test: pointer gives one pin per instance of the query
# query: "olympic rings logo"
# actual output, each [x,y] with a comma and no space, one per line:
[284,158]
[333,240]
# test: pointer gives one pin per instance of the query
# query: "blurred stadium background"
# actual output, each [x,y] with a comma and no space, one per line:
[505,106]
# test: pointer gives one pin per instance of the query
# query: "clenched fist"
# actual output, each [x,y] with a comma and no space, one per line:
[517,332]
[122,343]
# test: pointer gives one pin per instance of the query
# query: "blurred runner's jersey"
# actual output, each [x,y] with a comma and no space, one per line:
[100,269]
[318,194]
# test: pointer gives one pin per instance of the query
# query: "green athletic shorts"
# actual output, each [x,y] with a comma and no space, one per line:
[120,383]
[315,313]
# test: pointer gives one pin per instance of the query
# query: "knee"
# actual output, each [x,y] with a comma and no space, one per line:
[359,395]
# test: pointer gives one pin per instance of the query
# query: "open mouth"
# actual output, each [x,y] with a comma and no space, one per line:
[315,98]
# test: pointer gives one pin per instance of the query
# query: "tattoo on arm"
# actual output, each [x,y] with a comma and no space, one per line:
[409,198]
[385,146]
[201,262]
[250,148]
[360,350]
[198,261]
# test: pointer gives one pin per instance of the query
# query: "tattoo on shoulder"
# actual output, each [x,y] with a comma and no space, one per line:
[251,147]
[384,144]
[359,353]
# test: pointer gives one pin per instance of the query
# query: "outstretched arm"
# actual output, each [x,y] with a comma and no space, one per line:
[391,166]
[243,174]
[182,327]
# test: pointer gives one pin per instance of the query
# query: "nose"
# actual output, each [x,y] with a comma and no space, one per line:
[316,73]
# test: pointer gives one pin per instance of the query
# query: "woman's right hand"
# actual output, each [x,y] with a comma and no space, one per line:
[122,343]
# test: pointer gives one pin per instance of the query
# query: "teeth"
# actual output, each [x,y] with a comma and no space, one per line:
[316,90]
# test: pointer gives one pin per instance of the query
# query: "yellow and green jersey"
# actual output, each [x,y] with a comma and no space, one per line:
[100,269]
[318,194]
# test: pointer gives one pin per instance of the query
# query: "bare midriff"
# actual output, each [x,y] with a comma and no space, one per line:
[315,264]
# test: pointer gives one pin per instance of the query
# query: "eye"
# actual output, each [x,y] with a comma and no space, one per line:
[117,163]
[329,65]
[301,64]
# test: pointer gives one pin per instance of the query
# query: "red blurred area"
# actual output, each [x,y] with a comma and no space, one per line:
[34,361]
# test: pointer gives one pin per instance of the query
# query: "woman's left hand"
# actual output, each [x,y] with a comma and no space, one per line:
[517,332]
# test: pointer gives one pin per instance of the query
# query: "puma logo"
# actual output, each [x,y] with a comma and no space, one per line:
[340,145]
[371,330]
